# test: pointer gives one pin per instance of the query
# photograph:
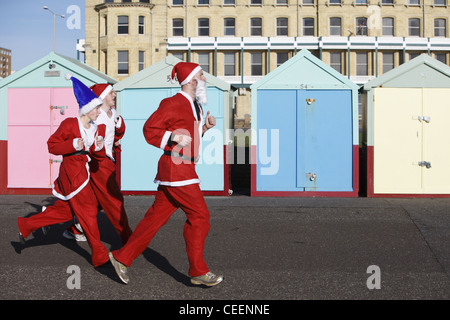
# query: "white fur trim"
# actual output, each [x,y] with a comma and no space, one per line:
[191,75]
[177,183]
[90,106]
[165,139]
[118,122]
[74,193]
[68,76]
[105,92]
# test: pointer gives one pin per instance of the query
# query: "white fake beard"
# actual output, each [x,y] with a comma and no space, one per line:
[200,92]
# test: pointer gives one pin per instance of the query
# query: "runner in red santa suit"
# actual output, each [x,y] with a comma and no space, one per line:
[103,170]
[78,140]
[176,127]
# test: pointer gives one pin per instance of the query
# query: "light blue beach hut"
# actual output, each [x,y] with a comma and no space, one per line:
[304,131]
[138,97]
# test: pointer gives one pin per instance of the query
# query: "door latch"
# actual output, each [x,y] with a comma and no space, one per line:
[311,176]
[426,164]
[62,109]
[424,118]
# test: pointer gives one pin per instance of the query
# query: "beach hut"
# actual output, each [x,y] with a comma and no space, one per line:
[407,130]
[33,102]
[138,97]
[304,131]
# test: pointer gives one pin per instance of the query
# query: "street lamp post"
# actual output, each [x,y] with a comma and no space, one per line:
[54,16]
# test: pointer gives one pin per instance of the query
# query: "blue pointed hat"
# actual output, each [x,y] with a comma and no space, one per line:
[86,98]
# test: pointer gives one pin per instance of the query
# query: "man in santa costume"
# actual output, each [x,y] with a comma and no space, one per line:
[78,140]
[103,170]
[176,127]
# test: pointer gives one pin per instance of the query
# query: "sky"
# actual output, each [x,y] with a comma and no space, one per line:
[27,29]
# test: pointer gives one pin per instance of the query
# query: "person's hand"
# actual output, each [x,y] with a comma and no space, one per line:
[99,142]
[182,140]
[80,143]
[210,121]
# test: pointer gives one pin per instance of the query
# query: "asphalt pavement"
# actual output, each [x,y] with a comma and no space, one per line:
[268,249]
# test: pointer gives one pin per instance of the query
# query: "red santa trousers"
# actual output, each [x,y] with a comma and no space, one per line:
[84,206]
[107,190]
[168,199]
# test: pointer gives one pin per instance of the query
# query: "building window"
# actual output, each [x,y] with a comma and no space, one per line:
[388,26]
[413,55]
[179,55]
[413,2]
[439,28]
[229,64]
[414,27]
[361,26]
[360,1]
[144,1]
[442,57]
[282,2]
[122,24]
[141,60]
[282,26]
[335,1]
[336,61]
[203,60]
[256,63]
[106,61]
[387,2]
[203,2]
[439,3]
[177,2]
[255,26]
[308,26]
[177,28]
[388,61]
[229,25]
[256,2]
[308,2]
[335,26]
[105,19]
[282,57]
[203,27]
[141,25]
[122,62]
[362,68]
[229,2]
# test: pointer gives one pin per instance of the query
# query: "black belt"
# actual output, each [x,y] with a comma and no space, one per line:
[181,156]
[76,153]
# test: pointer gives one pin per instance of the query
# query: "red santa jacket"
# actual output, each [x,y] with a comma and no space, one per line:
[74,170]
[175,115]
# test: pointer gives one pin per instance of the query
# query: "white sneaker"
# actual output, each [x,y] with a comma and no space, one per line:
[72,236]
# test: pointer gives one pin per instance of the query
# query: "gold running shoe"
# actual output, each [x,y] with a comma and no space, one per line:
[209,279]
[120,268]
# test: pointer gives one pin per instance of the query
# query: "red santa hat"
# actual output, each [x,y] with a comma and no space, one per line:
[183,72]
[101,89]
